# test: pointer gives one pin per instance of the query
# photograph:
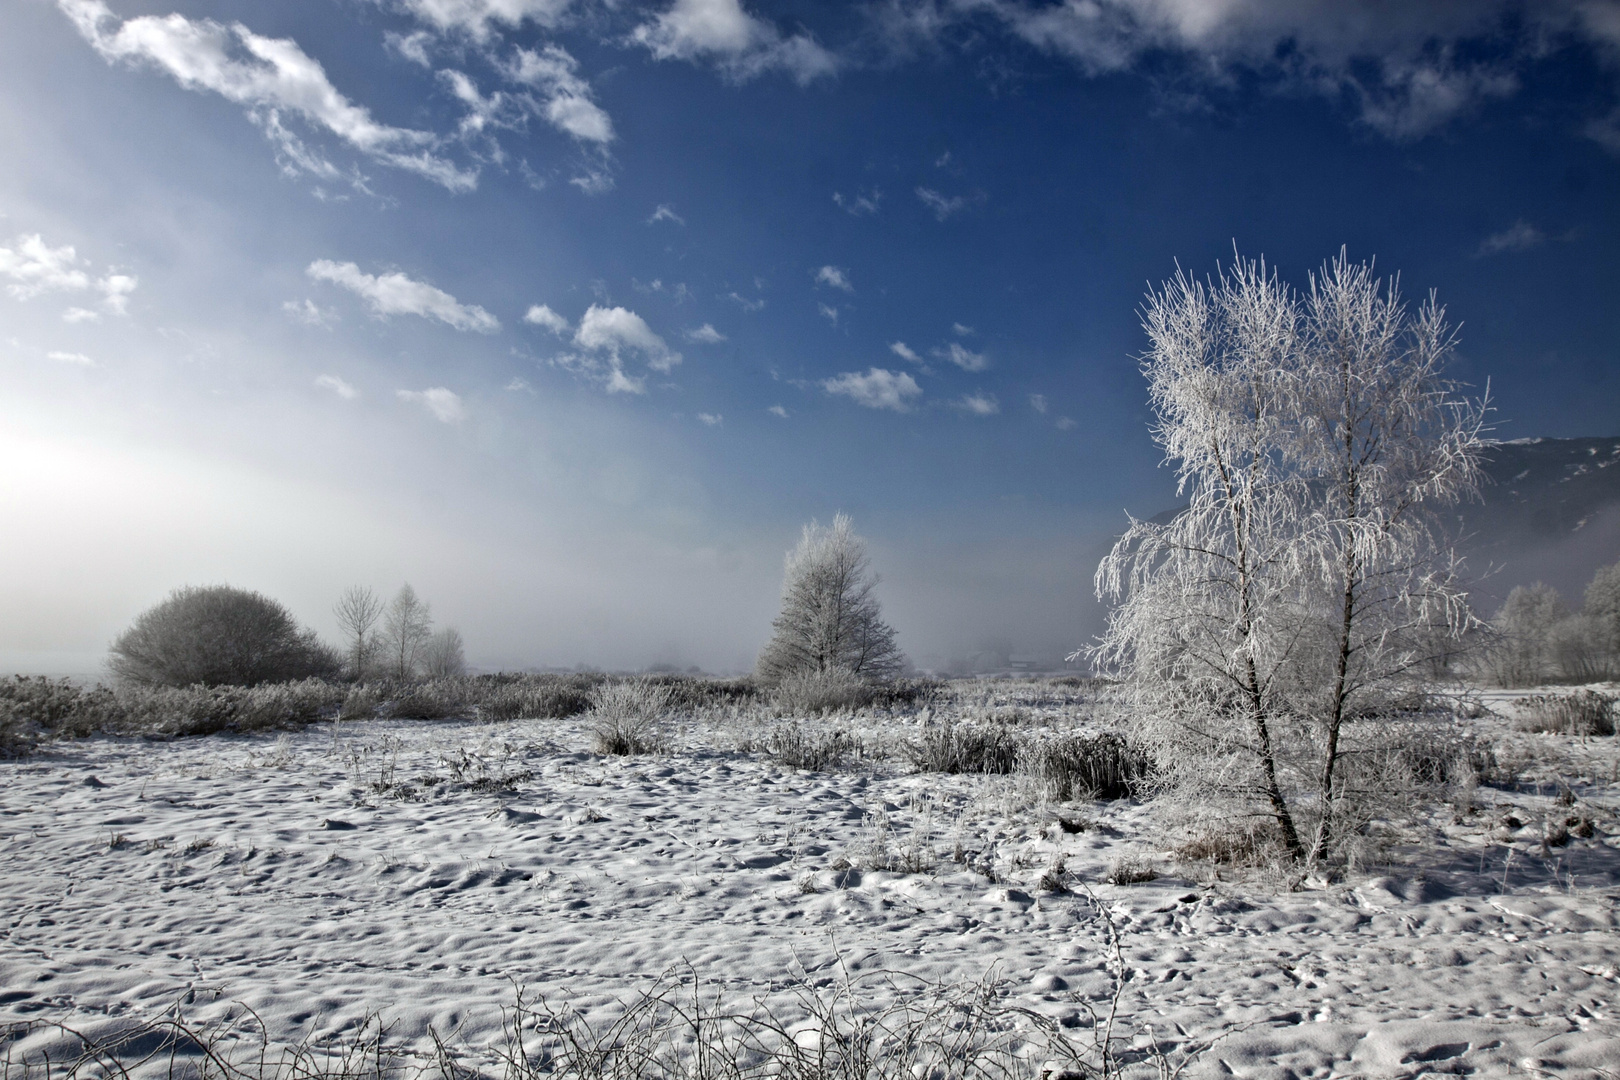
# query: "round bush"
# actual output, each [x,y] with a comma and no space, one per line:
[218,636]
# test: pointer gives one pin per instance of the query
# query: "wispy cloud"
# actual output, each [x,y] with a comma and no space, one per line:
[1520,236]
[828,312]
[566,100]
[665,213]
[963,358]
[396,294]
[310,313]
[77,359]
[705,335]
[479,18]
[835,278]
[859,205]
[711,419]
[904,352]
[341,387]
[35,268]
[943,206]
[541,315]
[745,303]
[961,331]
[778,411]
[879,388]
[267,75]
[1038,403]
[979,403]
[1066,423]
[444,404]
[740,45]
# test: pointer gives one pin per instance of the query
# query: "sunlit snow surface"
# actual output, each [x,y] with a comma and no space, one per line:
[285,873]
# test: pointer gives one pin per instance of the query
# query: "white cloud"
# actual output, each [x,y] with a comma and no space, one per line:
[310,313]
[1409,66]
[519,385]
[942,206]
[477,18]
[115,290]
[963,358]
[342,387]
[835,277]
[1065,423]
[828,312]
[706,335]
[606,335]
[541,315]
[567,101]
[961,331]
[1038,403]
[78,359]
[396,294]
[412,46]
[877,389]
[741,45]
[904,352]
[858,204]
[745,303]
[34,268]
[711,419]
[664,213]
[777,410]
[267,75]
[979,404]
[445,405]
[482,112]
[1520,236]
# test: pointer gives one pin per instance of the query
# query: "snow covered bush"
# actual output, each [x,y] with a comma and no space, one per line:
[218,636]
[626,716]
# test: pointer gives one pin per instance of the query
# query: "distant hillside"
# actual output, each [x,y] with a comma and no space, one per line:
[1550,512]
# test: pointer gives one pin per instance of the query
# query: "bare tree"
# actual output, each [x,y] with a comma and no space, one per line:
[1524,649]
[218,635]
[406,626]
[830,620]
[357,611]
[1307,577]
[443,655]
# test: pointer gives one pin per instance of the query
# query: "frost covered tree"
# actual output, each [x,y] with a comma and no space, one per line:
[1307,579]
[357,611]
[218,636]
[443,656]
[830,622]
[406,626]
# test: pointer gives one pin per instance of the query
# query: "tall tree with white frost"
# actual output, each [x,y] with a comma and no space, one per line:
[830,620]
[1307,578]
[357,611]
[406,626]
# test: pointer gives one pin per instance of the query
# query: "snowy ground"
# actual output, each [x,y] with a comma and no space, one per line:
[421,869]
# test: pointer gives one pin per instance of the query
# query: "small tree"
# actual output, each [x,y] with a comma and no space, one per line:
[406,626]
[830,621]
[1602,606]
[357,613]
[218,636]
[443,656]
[1524,649]
[1307,579]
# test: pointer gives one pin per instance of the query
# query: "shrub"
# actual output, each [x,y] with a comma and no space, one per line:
[204,710]
[812,692]
[1101,766]
[218,636]
[964,748]
[436,699]
[626,717]
[1586,712]
[33,707]
[533,697]
[798,748]
[1248,843]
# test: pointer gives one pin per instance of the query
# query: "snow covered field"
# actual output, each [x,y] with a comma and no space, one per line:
[422,870]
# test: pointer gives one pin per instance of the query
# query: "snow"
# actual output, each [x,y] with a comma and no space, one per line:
[423,870]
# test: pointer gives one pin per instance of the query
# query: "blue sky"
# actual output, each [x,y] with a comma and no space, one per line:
[571,312]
